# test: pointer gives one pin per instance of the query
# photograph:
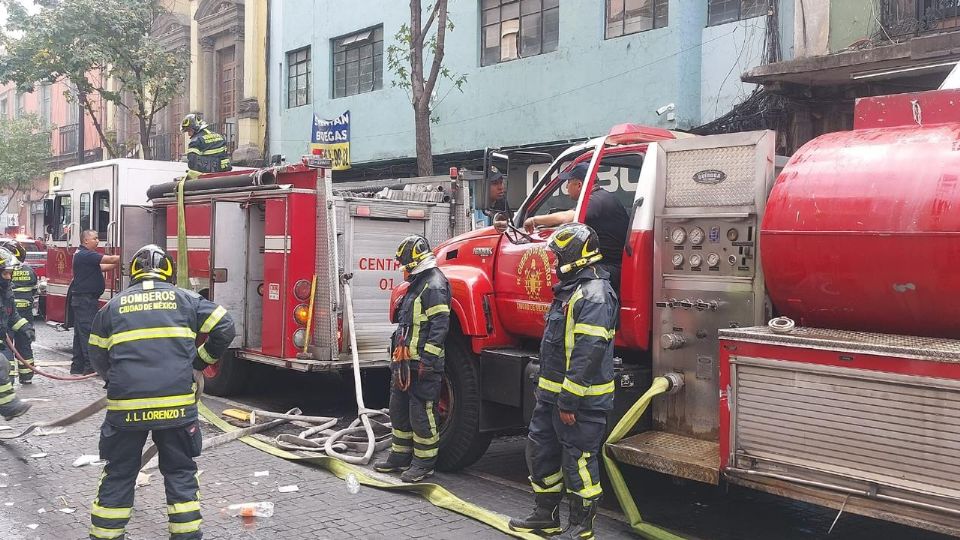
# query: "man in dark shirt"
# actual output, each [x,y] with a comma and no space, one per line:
[85,291]
[605,215]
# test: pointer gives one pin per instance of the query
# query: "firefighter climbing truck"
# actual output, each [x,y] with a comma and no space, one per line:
[856,407]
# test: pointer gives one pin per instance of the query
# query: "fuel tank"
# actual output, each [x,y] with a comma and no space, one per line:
[862,232]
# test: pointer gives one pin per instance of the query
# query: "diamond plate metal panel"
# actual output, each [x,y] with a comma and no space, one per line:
[738,189]
[323,340]
[853,342]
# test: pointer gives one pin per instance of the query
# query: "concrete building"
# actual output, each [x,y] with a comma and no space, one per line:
[846,49]
[228,84]
[540,73]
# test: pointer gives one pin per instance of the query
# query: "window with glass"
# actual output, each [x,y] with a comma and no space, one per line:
[84,212]
[45,104]
[358,62]
[724,11]
[298,77]
[63,213]
[632,16]
[101,209]
[512,29]
[21,104]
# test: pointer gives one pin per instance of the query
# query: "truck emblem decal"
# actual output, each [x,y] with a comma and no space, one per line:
[531,275]
[709,176]
[61,262]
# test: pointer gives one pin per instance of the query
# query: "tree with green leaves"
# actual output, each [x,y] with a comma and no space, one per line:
[105,49]
[421,44]
[24,154]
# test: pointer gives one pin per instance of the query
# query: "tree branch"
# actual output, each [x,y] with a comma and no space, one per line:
[438,55]
[433,14]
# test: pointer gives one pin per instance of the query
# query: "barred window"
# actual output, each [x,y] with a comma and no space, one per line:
[512,29]
[358,62]
[632,16]
[298,77]
[724,11]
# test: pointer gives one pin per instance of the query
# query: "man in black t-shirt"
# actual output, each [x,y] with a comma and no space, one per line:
[605,215]
[85,291]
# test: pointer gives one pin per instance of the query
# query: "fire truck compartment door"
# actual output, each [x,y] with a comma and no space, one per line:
[139,226]
[370,252]
[229,262]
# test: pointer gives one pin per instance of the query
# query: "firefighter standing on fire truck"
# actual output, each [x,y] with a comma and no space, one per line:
[424,318]
[575,390]
[10,405]
[24,289]
[143,344]
[206,151]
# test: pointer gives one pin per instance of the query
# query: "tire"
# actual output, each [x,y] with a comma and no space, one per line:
[461,442]
[226,377]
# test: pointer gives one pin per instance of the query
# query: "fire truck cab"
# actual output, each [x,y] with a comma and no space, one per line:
[90,196]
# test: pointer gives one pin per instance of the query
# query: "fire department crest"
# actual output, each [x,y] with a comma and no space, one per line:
[534,272]
[61,262]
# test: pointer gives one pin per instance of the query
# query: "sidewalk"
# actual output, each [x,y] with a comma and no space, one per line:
[322,508]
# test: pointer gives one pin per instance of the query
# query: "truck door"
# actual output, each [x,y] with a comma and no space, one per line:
[228,261]
[139,226]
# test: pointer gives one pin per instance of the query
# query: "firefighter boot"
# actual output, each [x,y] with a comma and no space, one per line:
[394,463]
[545,518]
[15,408]
[582,514]
[415,473]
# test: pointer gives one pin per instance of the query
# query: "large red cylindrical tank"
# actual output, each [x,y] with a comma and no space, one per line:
[862,232]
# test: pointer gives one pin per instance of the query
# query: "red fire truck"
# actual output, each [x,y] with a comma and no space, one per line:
[858,235]
[272,246]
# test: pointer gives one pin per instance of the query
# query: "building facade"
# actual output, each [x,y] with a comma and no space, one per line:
[538,73]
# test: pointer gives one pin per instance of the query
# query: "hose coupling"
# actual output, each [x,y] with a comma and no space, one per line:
[675,380]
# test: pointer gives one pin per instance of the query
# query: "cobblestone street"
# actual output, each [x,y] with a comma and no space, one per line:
[39,481]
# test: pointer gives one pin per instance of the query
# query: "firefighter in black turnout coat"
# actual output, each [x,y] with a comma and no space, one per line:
[24,284]
[143,344]
[418,353]
[10,405]
[575,389]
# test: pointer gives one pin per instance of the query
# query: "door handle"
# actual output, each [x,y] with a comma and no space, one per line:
[633,212]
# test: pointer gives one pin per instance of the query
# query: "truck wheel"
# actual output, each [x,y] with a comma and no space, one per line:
[461,442]
[226,377]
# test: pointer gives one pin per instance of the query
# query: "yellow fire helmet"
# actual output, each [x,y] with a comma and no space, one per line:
[151,262]
[412,251]
[576,246]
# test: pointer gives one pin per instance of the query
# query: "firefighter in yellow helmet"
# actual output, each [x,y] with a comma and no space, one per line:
[206,151]
[24,284]
[143,344]
[10,405]
[575,389]
[423,318]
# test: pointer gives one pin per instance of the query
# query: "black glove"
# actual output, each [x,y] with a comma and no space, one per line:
[30,334]
[199,364]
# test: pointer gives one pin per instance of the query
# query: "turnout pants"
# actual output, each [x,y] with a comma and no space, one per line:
[84,308]
[414,419]
[25,348]
[8,398]
[561,456]
[122,449]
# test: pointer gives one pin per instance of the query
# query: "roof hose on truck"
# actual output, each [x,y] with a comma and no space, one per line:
[647,530]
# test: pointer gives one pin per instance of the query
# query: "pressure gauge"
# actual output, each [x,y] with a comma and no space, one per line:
[696,260]
[696,236]
[678,235]
[713,260]
[732,235]
[678,260]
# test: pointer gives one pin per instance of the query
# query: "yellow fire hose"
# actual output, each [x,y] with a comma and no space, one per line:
[629,507]
[183,271]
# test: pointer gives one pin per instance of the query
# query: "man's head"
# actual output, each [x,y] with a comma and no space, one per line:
[498,185]
[576,246]
[90,239]
[14,247]
[151,262]
[574,178]
[191,124]
[414,254]
[8,263]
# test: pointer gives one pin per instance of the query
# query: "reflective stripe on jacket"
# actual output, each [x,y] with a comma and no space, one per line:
[24,286]
[576,352]
[424,318]
[143,343]
[207,152]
